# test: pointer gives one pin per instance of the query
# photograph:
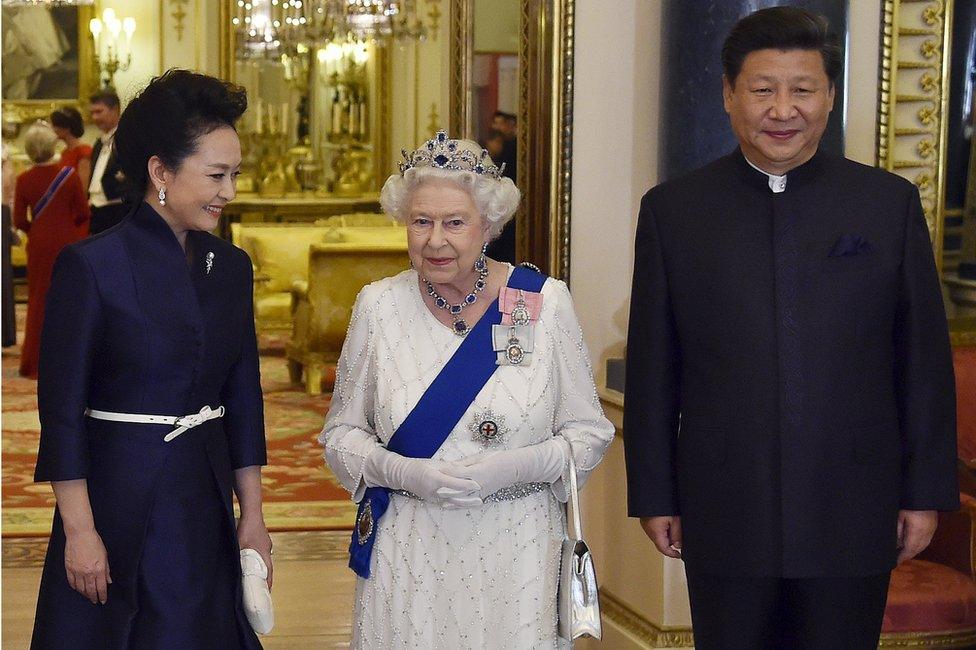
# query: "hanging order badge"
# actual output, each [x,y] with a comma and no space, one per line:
[513,344]
[520,315]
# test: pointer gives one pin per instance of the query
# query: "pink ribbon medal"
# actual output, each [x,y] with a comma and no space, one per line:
[519,307]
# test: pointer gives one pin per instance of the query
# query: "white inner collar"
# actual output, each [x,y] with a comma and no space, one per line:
[776,183]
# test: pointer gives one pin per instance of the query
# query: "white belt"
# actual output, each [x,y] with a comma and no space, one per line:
[182,422]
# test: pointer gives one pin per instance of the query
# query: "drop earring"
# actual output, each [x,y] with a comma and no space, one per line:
[161,195]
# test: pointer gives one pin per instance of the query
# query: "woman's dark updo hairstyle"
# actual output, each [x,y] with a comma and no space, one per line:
[68,118]
[168,118]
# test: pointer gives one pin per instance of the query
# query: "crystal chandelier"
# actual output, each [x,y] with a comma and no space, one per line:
[270,28]
[369,19]
[46,3]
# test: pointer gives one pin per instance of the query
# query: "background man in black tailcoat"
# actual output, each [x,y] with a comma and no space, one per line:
[107,186]
[503,147]
[790,420]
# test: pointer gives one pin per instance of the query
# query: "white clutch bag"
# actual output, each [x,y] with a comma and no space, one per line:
[578,599]
[257,596]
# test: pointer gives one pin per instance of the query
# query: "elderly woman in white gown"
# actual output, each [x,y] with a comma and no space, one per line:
[462,389]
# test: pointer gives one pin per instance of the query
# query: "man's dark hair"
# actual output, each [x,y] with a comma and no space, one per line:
[69,118]
[168,118]
[505,116]
[781,28]
[105,96]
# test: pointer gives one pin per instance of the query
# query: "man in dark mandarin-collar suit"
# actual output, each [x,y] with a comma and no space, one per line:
[789,422]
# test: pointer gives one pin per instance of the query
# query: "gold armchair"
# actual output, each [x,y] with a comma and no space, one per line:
[279,255]
[322,306]
[372,219]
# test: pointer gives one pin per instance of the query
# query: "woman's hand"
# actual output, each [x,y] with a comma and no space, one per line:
[86,563]
[85,558]
[490,470]
[493,470]
[252,533]
[426,478]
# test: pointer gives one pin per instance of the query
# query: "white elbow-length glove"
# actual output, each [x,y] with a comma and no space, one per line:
[421,476]
[493,470]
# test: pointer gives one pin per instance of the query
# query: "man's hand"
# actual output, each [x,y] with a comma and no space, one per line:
[665,532]
[915,530]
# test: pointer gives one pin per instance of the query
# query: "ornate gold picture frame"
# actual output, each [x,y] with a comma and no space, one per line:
[20,111]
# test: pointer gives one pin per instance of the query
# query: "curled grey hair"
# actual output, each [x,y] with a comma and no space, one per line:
[40,141]
[496,199]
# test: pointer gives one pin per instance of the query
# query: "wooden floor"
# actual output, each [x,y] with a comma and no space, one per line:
[313,591]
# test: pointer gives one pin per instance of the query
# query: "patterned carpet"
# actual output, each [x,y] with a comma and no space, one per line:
[299,492]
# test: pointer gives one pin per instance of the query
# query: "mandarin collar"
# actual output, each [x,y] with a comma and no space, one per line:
[796,177]
[150,221]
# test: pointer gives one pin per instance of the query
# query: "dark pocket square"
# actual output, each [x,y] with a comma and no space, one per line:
[849,245]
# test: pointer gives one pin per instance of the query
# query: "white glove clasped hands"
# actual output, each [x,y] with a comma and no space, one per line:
[421,476]
[494,470]
[466,483]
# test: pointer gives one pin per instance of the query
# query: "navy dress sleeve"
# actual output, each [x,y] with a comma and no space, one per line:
[68,342]
[241,393]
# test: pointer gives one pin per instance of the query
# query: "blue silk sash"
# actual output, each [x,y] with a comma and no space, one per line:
[50,192]
[439,410]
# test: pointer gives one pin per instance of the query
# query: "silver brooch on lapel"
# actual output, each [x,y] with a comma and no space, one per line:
[210,259]
[488,429]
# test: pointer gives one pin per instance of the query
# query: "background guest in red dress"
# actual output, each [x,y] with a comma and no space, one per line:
[59,215]
[69,127]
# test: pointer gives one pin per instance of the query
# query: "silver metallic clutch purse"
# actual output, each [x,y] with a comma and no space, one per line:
[578,598]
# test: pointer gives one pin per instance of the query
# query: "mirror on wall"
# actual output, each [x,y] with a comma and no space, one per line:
[317,75]
[495,98]
[511,90]
[329,115]
[310,125]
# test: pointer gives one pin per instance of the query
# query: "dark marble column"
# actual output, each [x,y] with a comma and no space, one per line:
[694,127]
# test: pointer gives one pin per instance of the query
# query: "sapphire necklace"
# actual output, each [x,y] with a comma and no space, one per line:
[460,326]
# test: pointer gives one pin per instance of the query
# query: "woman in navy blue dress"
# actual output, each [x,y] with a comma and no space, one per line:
[147,323]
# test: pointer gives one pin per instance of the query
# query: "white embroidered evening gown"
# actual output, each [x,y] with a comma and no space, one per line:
[480,578]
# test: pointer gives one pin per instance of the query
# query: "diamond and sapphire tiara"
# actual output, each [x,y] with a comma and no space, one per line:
[441,152]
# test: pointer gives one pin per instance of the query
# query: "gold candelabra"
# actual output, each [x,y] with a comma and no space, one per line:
[113,52]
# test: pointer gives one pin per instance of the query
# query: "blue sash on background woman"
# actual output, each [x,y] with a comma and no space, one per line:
[52,189]
[439,410]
